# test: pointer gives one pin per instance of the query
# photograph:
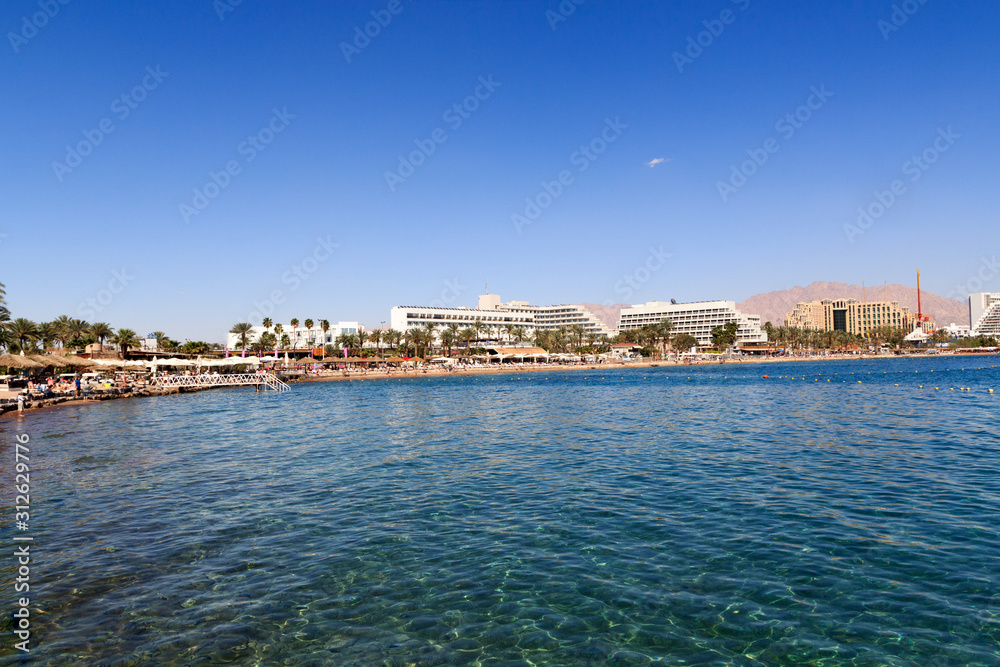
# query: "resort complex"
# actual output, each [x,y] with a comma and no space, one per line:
[493,312]
[984,313]
[850,315]
[695,319]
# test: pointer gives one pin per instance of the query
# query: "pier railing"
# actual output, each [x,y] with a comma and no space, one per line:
[268,380]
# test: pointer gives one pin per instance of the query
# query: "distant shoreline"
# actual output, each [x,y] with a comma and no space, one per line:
[435,371]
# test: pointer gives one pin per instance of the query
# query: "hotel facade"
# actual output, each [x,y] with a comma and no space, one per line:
[301,338]
[493,312]
[984,313]
[697,319]
[849,315]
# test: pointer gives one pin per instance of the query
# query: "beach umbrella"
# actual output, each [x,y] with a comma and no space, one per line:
[11,361]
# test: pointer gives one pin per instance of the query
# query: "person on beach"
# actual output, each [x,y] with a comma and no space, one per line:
[78,387]
[20,401]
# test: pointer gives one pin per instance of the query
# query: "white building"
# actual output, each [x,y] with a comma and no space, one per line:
[697,319]
[493,312]
[957,330]
[984,313]
[300,338]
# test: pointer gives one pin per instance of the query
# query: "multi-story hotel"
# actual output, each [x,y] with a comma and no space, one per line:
[493,312]
[984,313]
[849,315]
[300,337]
[697,319]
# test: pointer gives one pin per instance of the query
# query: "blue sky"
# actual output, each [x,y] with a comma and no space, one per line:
[309,130]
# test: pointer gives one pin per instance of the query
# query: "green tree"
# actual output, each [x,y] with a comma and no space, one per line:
[23,330]
[243,330]
[725,336]
[684,341]
[309,328]
[468,334]
[295,339]
[125,339]
[448,339]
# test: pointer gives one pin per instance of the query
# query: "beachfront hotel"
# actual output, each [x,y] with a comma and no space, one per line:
[493,312]
[984,313]
[300,336]
[850,315]
[697,319]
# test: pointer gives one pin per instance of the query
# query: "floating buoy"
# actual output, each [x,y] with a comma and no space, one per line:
[767,377]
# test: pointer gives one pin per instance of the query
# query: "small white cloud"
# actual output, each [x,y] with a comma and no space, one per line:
[655,161]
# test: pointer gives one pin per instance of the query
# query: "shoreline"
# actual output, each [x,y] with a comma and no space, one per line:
[432,372]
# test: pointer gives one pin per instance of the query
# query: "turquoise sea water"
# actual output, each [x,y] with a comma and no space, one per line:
[697,516]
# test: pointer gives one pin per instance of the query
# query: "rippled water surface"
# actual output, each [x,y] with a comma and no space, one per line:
[678,515]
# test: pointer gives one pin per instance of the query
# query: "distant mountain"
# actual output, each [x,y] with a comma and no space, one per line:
[607,314]
[775,306]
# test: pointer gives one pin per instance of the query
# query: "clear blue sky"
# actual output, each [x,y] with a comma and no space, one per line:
[67,229]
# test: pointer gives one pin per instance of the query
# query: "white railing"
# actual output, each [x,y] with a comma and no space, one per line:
[230,380]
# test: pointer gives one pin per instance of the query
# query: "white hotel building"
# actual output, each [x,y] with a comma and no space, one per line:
[984,313]
[493,312]
[301,338]
[697,319]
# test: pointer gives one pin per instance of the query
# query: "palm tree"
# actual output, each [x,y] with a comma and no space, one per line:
[285,341]
[78,328]
[277,334]
[362,336]
[428,334]
[23,330]
[124,339]
[375,336]
[100,331]
[519,334]
[448,339]
[241,329]
[325,326]
[663,330]
[267,323]
[6,339]
[578,331]
[309,327]
[62,332]
[469,334]
[392,338]
[294,322]
[47,332]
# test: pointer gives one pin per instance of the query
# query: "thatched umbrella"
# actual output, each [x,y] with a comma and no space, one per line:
[75,361]
[14,361]
[46,361]
[394,360]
